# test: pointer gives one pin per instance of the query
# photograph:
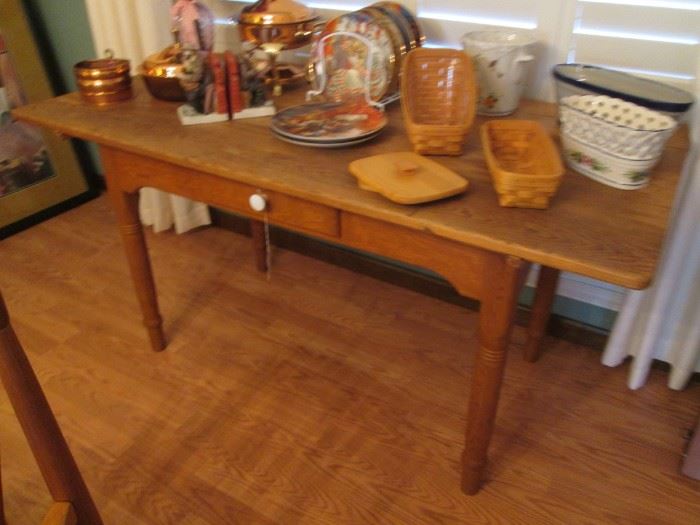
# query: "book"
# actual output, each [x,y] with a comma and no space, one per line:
[219,98]
[234,83]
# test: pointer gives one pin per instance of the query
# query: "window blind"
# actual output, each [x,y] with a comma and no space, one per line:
[658,39]
[445,21]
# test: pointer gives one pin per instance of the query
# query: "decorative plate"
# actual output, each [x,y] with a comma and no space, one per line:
[408,17]
[339,144]
[344,73]
[398,44]
[344,56]
[400,22]
[329,122]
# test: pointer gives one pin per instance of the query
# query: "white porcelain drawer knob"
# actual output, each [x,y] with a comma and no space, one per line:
[257,202]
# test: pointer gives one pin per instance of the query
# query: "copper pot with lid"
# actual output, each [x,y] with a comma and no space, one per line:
[287,23]
[104,80]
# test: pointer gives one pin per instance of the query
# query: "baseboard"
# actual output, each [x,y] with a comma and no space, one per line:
[420,281]
[586,290]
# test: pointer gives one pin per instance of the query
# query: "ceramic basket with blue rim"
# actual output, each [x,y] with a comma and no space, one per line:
[612,141]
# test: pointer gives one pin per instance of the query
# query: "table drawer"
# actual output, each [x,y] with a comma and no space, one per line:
[297,213]
[282,210]
[136,171]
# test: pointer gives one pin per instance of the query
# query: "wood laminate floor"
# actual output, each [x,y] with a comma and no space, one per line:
[319,397]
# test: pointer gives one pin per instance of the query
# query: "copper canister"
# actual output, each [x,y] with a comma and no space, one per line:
[104,80]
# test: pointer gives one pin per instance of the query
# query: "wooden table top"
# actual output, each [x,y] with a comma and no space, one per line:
[590,229]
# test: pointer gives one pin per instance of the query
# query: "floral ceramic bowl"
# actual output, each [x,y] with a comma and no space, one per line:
[612,141]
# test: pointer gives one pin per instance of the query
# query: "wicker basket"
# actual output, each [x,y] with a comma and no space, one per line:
[523,161]
[438,99]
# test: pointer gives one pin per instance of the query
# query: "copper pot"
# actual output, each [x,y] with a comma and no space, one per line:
[103,80]
[106,97]
[102,68]
[106,84]
[284,22]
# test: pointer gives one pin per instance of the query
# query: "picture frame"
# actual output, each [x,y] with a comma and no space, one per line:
[40,173]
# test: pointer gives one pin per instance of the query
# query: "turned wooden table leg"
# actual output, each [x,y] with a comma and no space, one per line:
[43,434]
[257,233]
[504,278]
[539,316]
[126,207]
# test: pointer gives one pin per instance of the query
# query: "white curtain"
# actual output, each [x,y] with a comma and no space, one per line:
[134,29]
[663,322]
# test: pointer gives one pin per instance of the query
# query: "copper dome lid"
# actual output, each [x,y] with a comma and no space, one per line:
[275,12]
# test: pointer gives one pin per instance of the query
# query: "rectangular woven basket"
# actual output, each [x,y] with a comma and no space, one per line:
[524,162]
[438,99]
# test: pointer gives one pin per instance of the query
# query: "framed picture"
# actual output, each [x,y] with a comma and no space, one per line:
[39,172]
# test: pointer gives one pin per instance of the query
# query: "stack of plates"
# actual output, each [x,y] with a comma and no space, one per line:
[394,32]
[355,65]
[328,124]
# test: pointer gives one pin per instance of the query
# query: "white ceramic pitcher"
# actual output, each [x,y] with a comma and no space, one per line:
[502,60]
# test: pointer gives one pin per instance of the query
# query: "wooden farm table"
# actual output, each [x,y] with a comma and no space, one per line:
[482,249]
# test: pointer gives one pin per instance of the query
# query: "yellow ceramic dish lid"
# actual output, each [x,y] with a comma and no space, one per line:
[407,178]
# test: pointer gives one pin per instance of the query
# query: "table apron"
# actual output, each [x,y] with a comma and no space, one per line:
[462,265]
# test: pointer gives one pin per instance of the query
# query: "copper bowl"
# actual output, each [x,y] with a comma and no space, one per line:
[290,36]
[285,22]
[161,72]
[163,87]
